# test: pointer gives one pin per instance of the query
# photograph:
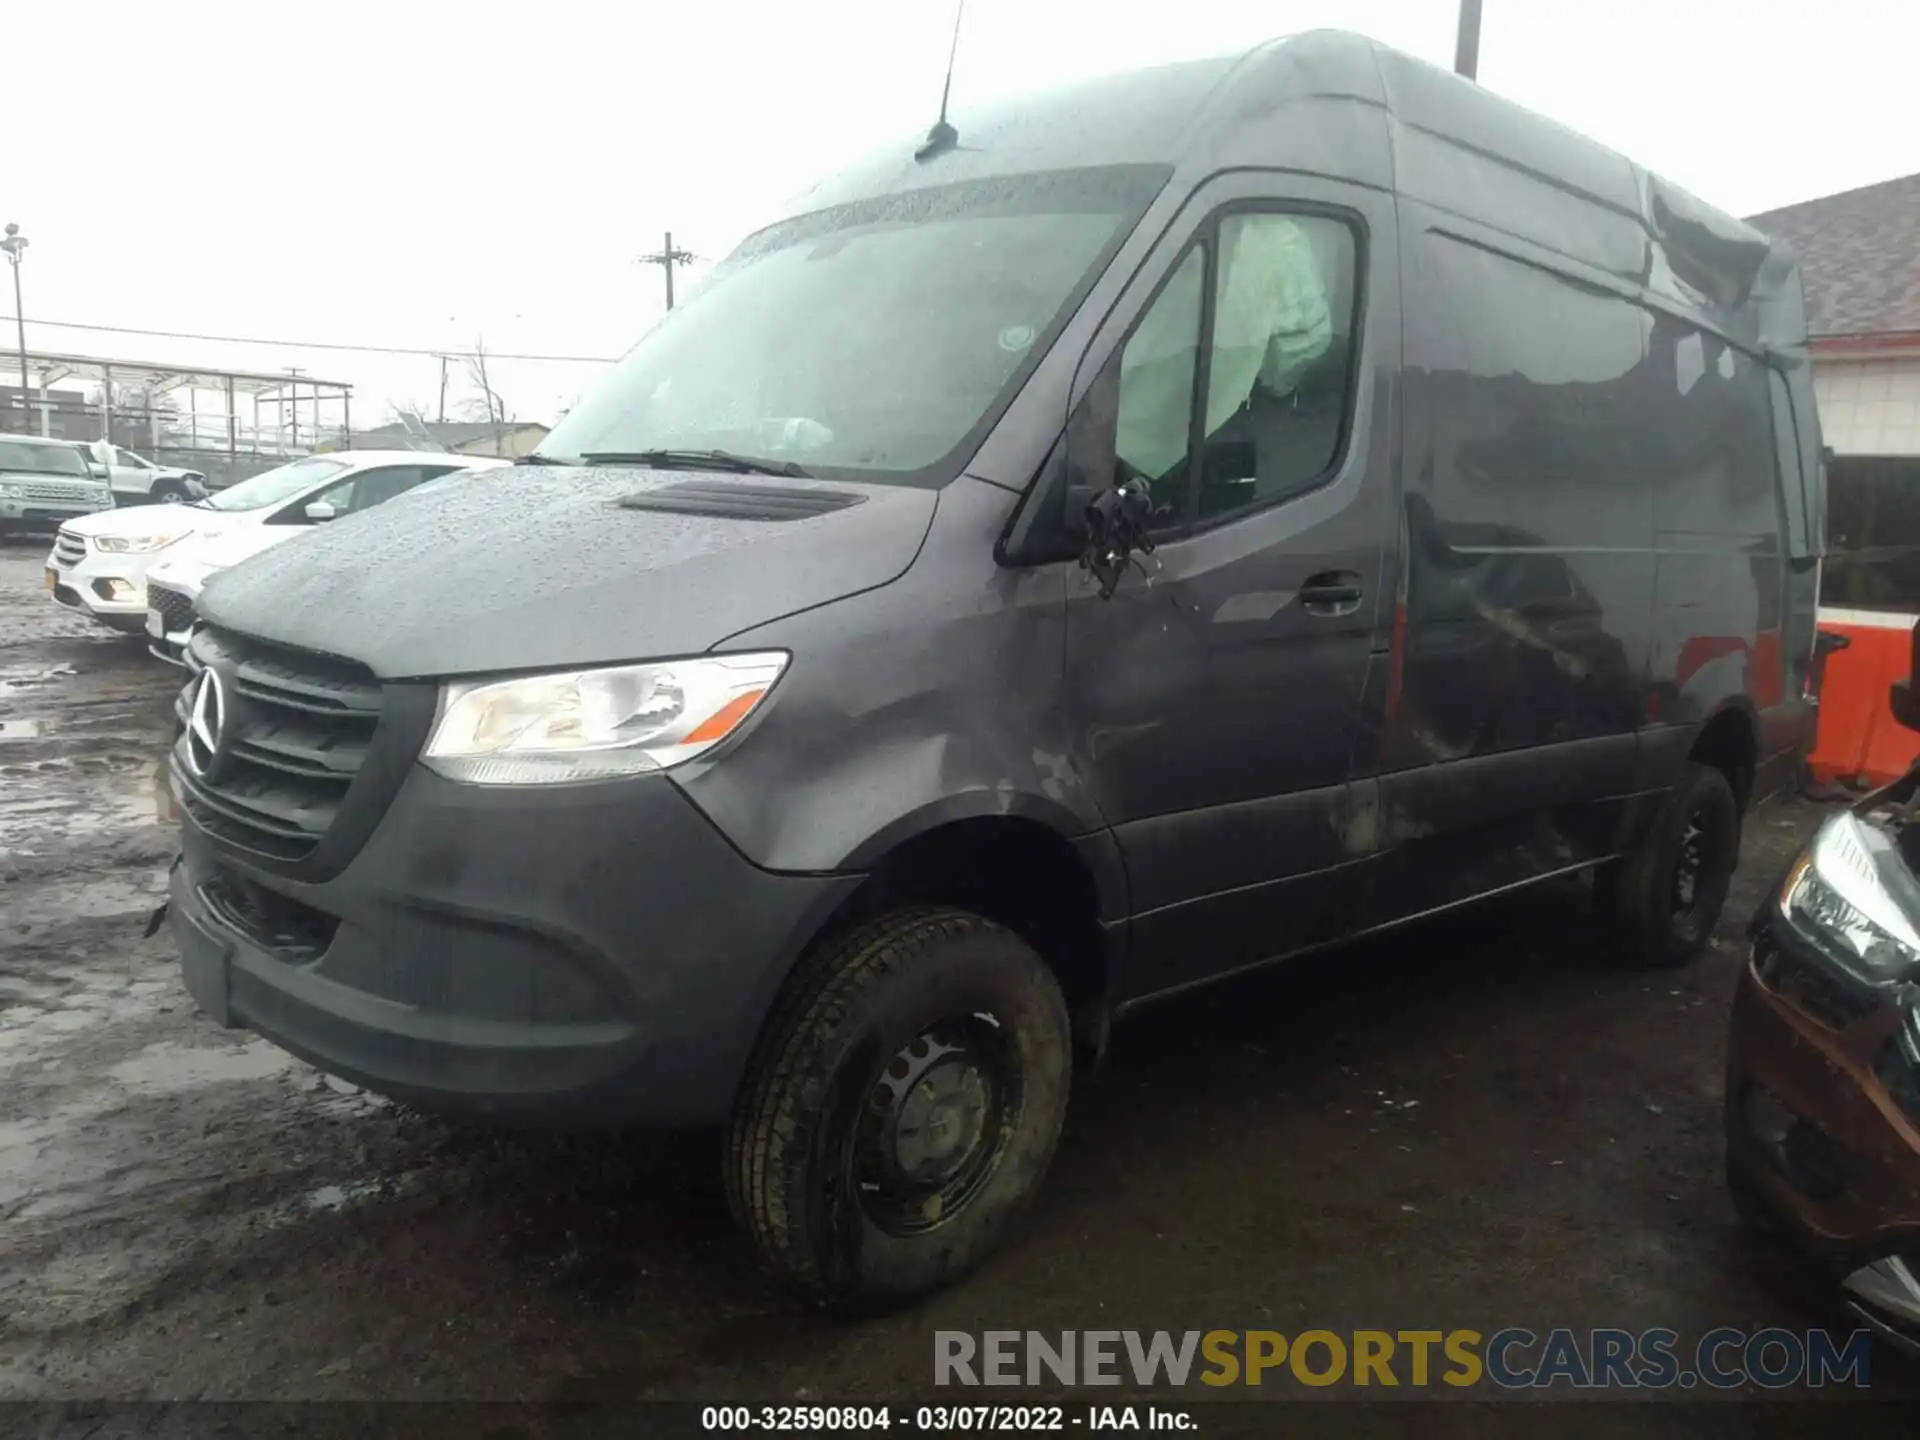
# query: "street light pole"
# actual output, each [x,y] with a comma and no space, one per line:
[14,245]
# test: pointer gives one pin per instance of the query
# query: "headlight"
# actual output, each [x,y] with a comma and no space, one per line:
[12,492]
[586,724]
[1853,896]
[137,544]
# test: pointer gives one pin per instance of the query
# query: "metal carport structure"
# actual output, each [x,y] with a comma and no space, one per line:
[301,412]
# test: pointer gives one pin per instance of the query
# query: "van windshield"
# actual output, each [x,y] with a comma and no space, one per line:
[877,339]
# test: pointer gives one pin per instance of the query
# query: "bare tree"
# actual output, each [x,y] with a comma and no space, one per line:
[490,404]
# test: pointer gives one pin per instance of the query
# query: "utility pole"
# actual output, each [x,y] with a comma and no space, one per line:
[1466,49]
[15,245]
[666,258]
[443,391]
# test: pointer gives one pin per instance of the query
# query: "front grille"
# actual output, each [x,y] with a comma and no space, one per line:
[176,610]
[54,494]
[297,731]
[69,549]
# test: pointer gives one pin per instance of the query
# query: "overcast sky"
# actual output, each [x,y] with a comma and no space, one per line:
[419,173]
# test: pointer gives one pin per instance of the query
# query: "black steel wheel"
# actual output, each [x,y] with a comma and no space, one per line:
[1664,899]
[901,1108]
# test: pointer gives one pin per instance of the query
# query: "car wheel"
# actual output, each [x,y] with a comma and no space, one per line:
[901,1110]
[1663,900]
[170,492]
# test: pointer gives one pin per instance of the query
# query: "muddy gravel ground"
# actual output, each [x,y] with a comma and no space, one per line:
[1480,1123]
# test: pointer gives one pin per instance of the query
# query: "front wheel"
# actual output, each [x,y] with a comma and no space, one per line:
[902,1108]
[170,492]
[1664,899]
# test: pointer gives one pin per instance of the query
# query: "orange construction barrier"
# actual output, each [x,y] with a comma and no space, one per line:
[1859,742]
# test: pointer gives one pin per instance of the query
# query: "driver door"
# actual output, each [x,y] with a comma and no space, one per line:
[1215,699]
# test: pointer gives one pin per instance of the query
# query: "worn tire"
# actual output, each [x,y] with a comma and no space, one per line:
[1636,895]
[794,1150]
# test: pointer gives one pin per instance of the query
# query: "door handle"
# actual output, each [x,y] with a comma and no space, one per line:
[1332,592]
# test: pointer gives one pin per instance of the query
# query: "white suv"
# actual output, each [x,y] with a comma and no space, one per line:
[137,480]
[42,483]
[99,563]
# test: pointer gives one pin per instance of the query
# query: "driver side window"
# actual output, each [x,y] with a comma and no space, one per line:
[1269,297]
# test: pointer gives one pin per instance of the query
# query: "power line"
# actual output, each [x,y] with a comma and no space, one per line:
[299,344]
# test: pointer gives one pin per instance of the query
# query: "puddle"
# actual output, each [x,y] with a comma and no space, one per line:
[21,677]
[57,904]
[170,1068]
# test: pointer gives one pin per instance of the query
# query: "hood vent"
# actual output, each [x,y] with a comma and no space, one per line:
[728,501]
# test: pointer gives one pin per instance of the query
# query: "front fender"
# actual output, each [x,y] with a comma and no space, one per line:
[932,699]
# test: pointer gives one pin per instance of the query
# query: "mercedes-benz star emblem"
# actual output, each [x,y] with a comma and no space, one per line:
[206,721]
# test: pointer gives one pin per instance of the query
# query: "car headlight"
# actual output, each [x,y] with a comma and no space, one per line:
[1852,894]
[588,724]
[137,544]
[12,492]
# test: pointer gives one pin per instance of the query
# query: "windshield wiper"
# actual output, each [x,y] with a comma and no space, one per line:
[540,460]
[696,460]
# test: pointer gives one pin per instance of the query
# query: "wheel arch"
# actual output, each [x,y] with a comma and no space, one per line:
[1729,741]
[1063,894]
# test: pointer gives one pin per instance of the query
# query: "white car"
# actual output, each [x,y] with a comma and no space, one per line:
[175,579]
[137,480]
[99,562]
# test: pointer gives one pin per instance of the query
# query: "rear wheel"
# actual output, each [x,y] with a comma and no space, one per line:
[169,492]
[902,1108]
[1664,899]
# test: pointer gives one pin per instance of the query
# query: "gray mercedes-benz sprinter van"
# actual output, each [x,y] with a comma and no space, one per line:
[1200,516]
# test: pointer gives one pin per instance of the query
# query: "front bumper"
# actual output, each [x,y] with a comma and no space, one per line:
[1810,1060]
[568,954]
[110,588]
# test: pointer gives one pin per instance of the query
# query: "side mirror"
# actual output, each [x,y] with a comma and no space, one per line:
[1116,525]
[321,510]
[1906,704]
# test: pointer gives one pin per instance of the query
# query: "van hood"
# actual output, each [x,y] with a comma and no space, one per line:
[532,568]
[145,519]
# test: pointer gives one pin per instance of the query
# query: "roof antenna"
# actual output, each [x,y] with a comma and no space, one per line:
[943,136]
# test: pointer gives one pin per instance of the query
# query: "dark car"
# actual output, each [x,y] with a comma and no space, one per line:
[1823,1060]
[1200,516]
